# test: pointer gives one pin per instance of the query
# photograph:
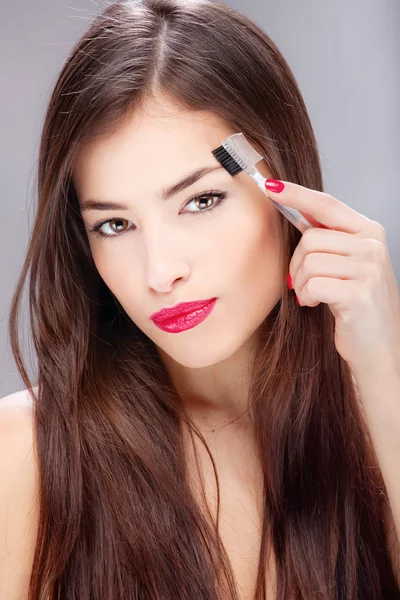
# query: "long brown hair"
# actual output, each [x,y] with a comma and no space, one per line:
[117,516]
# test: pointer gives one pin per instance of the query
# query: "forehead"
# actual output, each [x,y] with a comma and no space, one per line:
[160,141]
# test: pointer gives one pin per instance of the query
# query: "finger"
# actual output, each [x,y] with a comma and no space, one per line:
[322,207]
[313,221]
[335,242]
[338,293]
[319,264]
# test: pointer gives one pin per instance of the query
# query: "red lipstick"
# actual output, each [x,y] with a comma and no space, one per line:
[183,316]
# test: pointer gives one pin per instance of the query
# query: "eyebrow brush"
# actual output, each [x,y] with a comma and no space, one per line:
[236,155]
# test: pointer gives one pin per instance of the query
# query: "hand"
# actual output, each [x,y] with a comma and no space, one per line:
[344,261]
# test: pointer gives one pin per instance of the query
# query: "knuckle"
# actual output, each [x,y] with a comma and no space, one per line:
[310,289]
[308,238]
[373,272]
[308,262]
[377,250]
[378,231]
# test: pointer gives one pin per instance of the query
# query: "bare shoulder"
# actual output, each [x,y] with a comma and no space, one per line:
[16,431]
[18,495]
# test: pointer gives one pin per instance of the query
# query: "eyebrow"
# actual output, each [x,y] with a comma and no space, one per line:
[187,181]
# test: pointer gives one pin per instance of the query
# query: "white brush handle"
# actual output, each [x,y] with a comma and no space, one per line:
[291,214]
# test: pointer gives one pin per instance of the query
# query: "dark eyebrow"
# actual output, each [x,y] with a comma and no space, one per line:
[165,193]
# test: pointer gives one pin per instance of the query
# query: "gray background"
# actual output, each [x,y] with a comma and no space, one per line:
[344,54]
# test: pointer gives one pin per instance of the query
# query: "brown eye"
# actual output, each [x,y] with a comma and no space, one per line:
[111,228]
[206,202]
[119,225]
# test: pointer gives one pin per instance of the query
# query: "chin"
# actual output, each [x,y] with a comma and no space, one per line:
[200,354]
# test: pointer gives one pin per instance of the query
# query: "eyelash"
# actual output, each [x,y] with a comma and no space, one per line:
[95,229]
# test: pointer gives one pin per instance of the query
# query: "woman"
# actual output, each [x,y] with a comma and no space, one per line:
[254,454]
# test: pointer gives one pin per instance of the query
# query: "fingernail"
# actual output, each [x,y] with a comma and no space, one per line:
[274,185]
[298,301]
[289,282]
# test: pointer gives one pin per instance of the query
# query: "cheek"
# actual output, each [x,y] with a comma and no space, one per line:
[252,251]
[113,264]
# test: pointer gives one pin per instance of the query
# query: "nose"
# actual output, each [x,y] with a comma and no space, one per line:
[164,261]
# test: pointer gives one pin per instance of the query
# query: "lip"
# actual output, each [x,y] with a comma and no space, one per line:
[183,316]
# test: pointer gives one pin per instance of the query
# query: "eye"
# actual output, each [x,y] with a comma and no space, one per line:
[204,198]
[207,197]
[108,232]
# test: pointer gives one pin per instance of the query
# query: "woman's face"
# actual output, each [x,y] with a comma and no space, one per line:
[218,238]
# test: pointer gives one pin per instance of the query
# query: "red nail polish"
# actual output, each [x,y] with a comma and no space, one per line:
[274,185]
[289,282]
[298,301]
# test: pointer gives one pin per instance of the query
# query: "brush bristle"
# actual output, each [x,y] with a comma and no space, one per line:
[226,160]
[242,152]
